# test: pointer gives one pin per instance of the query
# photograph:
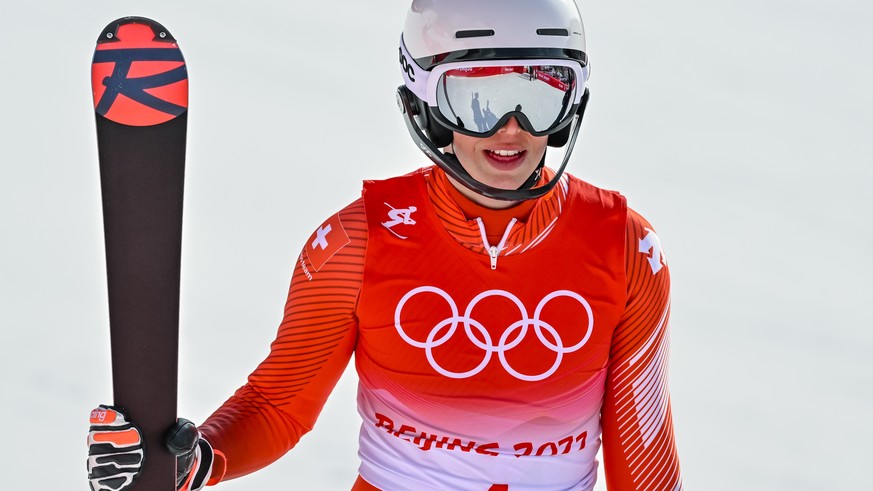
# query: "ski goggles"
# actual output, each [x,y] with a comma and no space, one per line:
[477,98]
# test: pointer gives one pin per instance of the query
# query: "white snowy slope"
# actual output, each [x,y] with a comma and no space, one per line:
[740,129]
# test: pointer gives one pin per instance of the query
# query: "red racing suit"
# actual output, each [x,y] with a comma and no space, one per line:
[485,361]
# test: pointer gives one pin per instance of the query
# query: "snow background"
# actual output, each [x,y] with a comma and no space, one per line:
[736,127]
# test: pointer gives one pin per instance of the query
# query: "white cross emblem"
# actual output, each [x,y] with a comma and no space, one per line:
[320,237]
[651,243]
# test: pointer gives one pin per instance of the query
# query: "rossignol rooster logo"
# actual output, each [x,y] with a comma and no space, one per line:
[138,76]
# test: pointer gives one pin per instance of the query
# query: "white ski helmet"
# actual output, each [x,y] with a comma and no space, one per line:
[526,57]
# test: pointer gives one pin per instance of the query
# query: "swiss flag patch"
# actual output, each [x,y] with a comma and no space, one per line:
[326,241]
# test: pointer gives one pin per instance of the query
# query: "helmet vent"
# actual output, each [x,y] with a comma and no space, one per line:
[553,32]
[474,33]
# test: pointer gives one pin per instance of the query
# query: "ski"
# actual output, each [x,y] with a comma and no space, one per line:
[140,88]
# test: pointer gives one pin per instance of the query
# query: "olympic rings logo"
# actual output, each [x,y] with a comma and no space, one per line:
[512,336]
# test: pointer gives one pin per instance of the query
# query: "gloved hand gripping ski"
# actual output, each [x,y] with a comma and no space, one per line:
[115,451]
[194,456]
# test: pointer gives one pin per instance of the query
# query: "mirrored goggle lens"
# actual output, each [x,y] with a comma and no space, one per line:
[474,99]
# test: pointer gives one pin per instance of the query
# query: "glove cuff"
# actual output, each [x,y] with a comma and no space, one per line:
[219,468]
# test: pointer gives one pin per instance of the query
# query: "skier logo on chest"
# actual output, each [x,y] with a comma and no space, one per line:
[399,216]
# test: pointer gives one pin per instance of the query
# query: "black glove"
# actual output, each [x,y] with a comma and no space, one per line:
[194,456]
[115,452]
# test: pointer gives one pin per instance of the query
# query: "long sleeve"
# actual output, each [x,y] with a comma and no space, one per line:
[638,445]
[285,394]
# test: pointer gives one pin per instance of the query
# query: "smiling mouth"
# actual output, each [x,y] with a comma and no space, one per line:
[505,157]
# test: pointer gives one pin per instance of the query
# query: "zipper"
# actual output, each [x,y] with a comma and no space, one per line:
[494,251]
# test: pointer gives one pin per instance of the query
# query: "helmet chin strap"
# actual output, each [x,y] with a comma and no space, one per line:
[535,175]
[453,167]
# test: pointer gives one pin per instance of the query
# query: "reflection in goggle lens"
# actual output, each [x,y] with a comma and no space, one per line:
[474,99]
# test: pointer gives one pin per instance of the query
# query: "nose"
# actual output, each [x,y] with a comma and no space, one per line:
[511,126]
